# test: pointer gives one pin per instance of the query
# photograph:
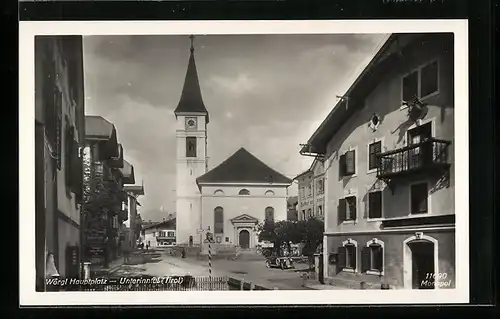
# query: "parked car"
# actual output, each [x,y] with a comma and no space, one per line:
[279,262]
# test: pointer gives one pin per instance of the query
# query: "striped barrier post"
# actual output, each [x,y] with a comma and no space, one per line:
[209,260]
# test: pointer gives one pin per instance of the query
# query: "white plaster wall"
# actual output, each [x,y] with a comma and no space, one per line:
[385,100]
[235,205]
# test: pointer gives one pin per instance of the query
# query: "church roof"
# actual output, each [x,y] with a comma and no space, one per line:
[243,167]
[191,100]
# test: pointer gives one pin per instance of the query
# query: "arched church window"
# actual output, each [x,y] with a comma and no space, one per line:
[244,192]
[219,220]
[269,193]
[219,192]
[269,214]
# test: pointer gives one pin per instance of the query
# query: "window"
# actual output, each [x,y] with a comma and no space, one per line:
[347,256]
[219,192]
[304,214]
[422,82]
[375,204]
[429,79]
[321,186]
[244,192]
[372,257]
[227,239]
[373,150]
[347,163]
[302,192]
[347,209]
[269,193]
[320,210]
[170,234]
[410,86]
[219,220]
[190,146]
[269,214]
[309,213]
[419,198]
[309,190]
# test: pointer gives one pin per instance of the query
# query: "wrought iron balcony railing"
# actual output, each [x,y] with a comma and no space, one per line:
[429,154]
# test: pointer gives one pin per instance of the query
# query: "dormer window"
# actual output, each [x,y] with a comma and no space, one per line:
[244,192]
[219,192]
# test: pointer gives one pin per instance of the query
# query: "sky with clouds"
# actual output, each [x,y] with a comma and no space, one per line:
[267,93]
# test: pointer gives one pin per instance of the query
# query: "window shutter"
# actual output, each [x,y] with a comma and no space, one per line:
[342,163]
[350,162]
[342,210]
[365,259]
[375,205]
[352,207]
[68,154]
[76,172]
[341,258]
[353,257]
[379,259]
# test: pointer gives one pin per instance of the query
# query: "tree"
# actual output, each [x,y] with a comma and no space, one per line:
[308,232]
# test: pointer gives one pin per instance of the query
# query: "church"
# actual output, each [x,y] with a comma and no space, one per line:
[230,200]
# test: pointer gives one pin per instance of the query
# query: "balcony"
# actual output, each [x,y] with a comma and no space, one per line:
[429,156]
[165,238]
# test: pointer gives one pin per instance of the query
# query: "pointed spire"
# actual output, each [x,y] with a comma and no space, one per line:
[191,100]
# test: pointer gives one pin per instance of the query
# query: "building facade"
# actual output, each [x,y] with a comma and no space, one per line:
[59,137]
[292,212]
[103,211]
[311,185]
[239,194]
[135,222]
[388,150]
[160,235]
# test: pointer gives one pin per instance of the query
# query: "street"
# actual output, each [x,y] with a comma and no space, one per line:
[250,271]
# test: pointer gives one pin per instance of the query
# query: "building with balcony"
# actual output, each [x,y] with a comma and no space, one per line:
[388,152]
[311,185]
[133,192]
[160,235]
[59,137]
[103,191]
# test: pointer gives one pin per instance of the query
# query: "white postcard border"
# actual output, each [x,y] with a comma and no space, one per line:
[29,297]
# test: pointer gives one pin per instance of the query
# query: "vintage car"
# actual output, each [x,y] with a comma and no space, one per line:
[279,262]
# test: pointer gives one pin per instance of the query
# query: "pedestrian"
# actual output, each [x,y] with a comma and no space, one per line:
[126,253]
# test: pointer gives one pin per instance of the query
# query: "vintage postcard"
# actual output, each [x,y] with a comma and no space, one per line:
[239,162]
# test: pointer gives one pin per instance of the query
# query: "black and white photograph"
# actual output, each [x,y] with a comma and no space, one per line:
[194,159]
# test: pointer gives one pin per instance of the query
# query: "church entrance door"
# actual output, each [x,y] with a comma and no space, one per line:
[244,239]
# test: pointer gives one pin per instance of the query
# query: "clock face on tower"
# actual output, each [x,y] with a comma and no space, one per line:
[190,122]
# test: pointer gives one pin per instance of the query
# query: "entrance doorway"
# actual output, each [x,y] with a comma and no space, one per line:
[244,239]
[422,256]
[422,155]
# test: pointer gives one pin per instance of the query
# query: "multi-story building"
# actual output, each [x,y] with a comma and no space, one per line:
[133,192]
[103,191]
[292,212]
[388,151]
[59,135]
[312,191]
[161,234]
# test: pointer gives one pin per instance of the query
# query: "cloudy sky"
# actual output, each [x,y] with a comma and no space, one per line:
[267,93]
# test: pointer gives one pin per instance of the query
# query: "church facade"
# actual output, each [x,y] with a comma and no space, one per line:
[230,200]
[239,194]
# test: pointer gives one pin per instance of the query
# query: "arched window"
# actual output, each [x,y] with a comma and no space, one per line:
[347,255]
[219,192]
[218,220]
[269,214]
[269,193]
[244,192]
[372,257]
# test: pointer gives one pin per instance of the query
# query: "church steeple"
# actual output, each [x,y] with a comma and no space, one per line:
[191,100]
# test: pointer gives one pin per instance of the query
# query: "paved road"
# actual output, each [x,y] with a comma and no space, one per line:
[251,271]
